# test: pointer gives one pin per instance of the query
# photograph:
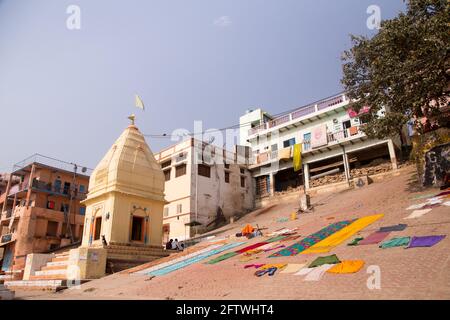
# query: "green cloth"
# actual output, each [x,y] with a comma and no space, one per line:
[333,259]
[222,257]
[355,242]
[277,238]
[395,242]
[297,157]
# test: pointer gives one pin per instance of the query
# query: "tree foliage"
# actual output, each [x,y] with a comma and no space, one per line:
[405,68]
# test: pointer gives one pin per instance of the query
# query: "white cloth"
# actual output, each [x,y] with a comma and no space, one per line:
[416,206]
[317,273]
[303,271]
[418,213]
[175,245]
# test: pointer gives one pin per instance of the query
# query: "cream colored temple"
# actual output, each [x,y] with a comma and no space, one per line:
[126,195]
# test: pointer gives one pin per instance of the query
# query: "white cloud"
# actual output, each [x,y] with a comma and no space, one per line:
[223,21]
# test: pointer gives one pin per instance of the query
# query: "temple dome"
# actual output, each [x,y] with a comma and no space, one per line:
[128,167]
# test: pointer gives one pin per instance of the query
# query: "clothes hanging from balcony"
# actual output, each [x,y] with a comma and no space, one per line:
[319,136]
[297,157]
[353,131]
[285,153]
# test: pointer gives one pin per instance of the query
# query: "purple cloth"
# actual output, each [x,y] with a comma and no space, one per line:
[375,237]
[398,227]
[427,241]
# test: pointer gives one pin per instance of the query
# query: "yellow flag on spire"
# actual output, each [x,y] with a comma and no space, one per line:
[139,103]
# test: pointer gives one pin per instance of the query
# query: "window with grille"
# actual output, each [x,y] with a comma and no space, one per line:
[167,175]
[179,208]
[204,170]
[243,182]
[180,170]
[165,164]
[166,212]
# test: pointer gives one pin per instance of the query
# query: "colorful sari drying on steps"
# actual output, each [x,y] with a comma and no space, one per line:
[309,241]
[335,239]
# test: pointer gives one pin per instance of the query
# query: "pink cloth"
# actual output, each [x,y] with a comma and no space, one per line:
[373,238]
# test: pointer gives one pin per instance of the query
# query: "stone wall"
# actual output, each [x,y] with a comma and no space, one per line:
[437,164]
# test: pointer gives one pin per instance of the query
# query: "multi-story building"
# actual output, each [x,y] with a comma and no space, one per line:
[40,208]
[204,185]
[331,143]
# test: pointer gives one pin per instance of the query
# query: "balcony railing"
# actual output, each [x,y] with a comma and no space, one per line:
[58,189]
[301,112]
[337,136]
[279,121]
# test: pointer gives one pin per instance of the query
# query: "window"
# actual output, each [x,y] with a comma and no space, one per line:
[64,207]
[204,170]
[66,187]
[180,170]
[289,143]
[97,228]
[243,182]
[274,147]
[166,164]
[57,186]
[242,170]
[167,175]
[346,124]
[179,208]
[166,212]
[227,177]
[82,211]
[226,165]
[82,188]
[52,228]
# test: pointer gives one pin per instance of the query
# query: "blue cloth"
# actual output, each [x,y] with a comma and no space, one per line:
[187,262]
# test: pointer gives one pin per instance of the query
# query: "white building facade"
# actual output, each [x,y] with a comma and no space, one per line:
[204,186]
[331,140]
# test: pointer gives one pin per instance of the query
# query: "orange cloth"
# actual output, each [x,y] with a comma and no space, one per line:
[347,266]
[247,230]
[353,131]
[274,265]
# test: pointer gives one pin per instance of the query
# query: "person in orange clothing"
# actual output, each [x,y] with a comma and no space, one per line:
[248,229]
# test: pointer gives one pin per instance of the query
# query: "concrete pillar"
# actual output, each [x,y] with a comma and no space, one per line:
[306,175]
[272,183]
[392,154]
[346,167]
[8,187]
[30,181]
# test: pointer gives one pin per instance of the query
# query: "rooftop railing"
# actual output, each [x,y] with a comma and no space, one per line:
[300,112]
[51,162]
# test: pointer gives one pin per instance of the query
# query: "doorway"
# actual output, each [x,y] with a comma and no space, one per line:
[97,228]
[137,228]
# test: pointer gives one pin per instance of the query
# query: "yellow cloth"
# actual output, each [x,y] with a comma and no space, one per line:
[347,266]
[293,267]
[336,238]
[297,156]
[284,153]
[273,265]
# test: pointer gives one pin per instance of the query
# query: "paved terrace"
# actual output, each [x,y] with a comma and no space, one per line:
[418,273]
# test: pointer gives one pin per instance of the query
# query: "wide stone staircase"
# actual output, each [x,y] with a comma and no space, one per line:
[52,276]
[123,256]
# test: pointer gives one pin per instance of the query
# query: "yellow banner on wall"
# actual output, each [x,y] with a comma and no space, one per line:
[297,156]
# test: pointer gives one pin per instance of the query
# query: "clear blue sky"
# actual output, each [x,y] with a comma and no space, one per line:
[67,93]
